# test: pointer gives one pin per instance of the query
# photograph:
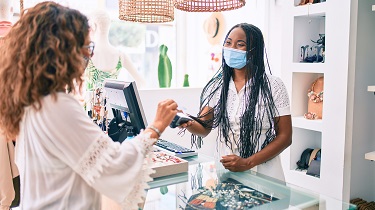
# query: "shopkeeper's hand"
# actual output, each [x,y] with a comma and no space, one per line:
[235,163]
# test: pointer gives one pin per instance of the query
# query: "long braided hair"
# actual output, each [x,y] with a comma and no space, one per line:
[256,90]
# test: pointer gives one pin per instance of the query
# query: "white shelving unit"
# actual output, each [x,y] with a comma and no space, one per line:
[371,88]
[346,107]
[370,156]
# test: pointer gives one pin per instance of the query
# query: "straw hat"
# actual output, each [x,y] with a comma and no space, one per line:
[214,27]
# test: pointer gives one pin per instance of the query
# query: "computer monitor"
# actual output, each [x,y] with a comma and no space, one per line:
[123,98]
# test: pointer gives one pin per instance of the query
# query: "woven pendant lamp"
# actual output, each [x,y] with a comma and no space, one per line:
[146,11]
[208,5]
[21,6]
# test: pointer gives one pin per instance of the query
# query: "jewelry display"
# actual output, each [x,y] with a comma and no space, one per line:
[96,108]
[310,116]
[314,53]
[163,158]
[165,164]
[315,103]
[199,175]
[229,194]
[315,97]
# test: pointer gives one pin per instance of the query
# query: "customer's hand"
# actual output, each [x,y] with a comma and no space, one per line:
[165,113]
[235,163]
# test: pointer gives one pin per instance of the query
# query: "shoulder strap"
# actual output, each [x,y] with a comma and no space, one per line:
[10,164]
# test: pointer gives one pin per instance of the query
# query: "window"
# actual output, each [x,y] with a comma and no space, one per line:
[140,41]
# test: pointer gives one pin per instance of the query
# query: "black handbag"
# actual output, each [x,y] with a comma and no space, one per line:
[16,185]
[303,162]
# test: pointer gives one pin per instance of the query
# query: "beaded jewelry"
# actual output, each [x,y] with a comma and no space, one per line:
[165,158]
[315,97]
[310,116]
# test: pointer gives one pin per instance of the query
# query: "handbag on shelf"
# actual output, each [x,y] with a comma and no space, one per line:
[303,162]
[16,185]
[314,165]
[315,100]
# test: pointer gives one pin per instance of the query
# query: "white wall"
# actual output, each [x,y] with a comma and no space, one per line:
[361,121]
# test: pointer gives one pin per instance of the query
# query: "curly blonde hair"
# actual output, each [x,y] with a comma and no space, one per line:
[41,55]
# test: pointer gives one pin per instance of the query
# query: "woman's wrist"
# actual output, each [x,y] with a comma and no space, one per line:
[154,130]
[251,162]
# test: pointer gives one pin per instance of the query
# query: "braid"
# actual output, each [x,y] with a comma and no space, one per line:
[257,92]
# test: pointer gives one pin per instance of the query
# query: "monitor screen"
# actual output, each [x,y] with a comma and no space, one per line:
[123,98]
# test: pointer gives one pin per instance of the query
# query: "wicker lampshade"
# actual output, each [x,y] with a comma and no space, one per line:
[21,6]
[146,11]
[208,5]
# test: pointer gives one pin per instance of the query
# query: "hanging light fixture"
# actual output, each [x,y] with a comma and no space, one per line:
[146,11]
[21,6]
[208,5]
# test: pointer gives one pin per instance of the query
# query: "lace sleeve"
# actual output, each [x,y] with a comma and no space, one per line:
[103,153]
[280,96]
[97,156]
[138,193]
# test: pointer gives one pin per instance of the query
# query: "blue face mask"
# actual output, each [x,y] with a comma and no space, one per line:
[235,58]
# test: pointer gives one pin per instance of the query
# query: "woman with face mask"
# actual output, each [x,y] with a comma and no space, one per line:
[249,108]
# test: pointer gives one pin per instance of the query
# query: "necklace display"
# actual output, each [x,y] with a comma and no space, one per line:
[315,97]
[315,104]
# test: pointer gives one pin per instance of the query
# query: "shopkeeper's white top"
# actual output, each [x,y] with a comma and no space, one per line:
[66,161]
[236,108]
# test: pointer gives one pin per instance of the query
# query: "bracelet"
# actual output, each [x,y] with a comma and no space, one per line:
[154,129]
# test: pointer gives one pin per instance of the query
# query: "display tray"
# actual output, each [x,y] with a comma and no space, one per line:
[165,164]
[229,194]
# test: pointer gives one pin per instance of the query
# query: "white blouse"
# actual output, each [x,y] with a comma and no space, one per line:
[67,162]
[236,108]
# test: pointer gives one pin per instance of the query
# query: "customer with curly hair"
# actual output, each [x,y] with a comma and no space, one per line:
[249,107]
[65,160]
[8,168]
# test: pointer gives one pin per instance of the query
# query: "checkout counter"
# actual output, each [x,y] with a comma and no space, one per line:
[203,187]
[204,184]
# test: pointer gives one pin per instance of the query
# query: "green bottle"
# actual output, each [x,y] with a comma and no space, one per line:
[186,81]
[164,68]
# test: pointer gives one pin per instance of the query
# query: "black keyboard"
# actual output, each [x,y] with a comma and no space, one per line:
[174,149]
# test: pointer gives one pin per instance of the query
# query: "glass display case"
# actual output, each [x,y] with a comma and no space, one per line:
[204,187]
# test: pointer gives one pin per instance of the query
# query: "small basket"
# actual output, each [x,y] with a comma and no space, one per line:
[146,11]
[208,5]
